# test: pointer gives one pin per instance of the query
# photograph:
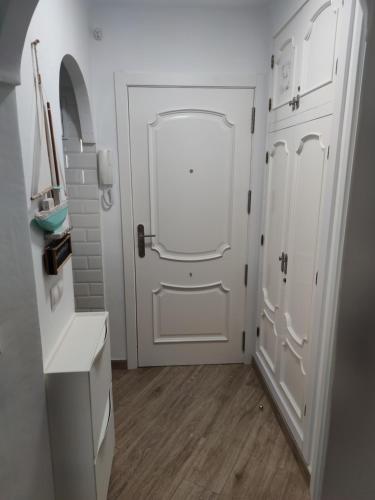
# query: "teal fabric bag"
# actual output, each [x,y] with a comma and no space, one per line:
[51,221]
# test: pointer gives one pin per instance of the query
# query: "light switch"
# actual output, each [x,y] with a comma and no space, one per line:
[56,294]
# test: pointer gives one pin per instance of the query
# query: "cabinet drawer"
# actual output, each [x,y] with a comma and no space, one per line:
[103,462]
[100,383]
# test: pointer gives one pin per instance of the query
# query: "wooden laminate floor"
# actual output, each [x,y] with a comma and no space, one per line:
[196,432]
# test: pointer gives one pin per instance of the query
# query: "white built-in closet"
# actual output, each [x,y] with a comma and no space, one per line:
[300,173]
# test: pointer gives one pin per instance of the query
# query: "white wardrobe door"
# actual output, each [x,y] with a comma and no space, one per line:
[276,195]
[284,66]
[316,67]
[284,86]
[309,174]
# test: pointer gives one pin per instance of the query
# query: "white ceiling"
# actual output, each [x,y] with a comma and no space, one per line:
[188,3]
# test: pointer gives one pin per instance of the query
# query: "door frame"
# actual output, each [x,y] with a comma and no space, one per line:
[124,81]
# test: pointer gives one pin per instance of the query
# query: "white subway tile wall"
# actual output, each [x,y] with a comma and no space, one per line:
[84,210]
[84,192]
[87,248]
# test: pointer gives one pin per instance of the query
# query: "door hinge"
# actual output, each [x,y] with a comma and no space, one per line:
[272,61]
[304,411]
[337,66]
[243,341]
[246,274]
[249,201]
[316,277]
[258,331]
[269,104]
[253,111]
[328,152]
[262,240]
[267,157]
[282,260]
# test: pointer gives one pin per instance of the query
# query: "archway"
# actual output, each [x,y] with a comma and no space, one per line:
[71,70]
[15,17]
[82,183]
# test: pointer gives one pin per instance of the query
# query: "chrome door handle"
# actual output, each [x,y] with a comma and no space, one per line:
[141,240]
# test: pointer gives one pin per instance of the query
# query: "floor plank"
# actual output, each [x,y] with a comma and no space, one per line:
[190,491]
[197,433]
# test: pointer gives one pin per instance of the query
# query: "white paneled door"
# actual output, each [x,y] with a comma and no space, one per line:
[190,158]
[295,194]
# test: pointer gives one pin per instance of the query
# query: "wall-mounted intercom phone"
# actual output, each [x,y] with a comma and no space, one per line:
[105,177]
[105,168]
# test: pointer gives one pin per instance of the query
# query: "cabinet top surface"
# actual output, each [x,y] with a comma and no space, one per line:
[78,343]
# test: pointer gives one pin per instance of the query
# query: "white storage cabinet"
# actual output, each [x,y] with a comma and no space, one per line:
[80,409]
[299,192]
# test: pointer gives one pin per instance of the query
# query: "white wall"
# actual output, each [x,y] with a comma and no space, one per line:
[164,39]
[25,465]
[281,11]
[62,27]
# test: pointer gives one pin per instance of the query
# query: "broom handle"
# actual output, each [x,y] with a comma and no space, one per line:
[57,174]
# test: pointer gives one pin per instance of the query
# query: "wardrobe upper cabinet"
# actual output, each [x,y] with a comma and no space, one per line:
[305,60]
